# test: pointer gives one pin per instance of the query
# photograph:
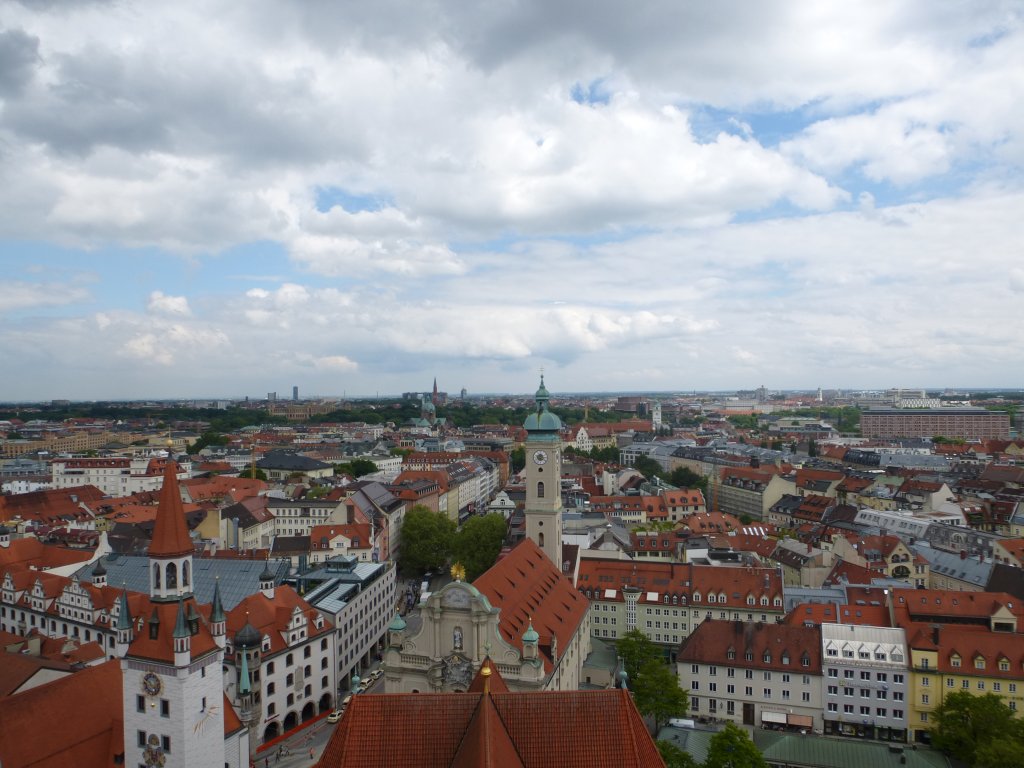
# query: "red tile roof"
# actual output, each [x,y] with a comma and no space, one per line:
[170,534]
[754,646]
[570,729]
[525,584]
[87,707]
[32,553]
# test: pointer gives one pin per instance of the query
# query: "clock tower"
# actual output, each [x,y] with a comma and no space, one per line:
[543,478]
[173,697]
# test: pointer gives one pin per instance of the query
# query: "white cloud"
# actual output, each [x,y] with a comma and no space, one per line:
[161,303]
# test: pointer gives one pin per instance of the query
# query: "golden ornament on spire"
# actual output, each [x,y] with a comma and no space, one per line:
[458,572]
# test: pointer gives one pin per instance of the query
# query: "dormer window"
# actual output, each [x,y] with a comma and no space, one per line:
[954,661]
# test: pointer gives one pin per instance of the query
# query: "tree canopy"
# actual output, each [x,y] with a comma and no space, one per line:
[657,693]
[732,748]
[427,538]
[636,649]
[356,468]
[674,757]
[970,727]
[478,543]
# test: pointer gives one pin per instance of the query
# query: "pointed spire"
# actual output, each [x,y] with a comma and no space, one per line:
[244,686]
[217,610]
[180,625]
[124,617]
[170,534]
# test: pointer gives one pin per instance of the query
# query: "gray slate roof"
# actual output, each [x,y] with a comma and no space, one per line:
[238,578]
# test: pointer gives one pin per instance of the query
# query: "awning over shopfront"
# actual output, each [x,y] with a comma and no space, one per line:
[773,717]
[801,721]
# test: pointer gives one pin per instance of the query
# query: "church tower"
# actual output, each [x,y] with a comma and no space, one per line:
[543,478]
[172,695]
[170,551]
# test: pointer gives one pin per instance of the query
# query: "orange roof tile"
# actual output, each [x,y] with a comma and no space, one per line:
[462,729]
[87,705]
[170,534]
[524,584]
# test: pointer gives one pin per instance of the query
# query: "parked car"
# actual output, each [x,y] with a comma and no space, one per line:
[335,716]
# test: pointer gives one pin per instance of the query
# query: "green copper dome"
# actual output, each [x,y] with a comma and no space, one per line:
[542,420]
[397,624]
[530,635]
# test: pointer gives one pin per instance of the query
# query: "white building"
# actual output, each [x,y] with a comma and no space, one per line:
[866,681]
[118,476]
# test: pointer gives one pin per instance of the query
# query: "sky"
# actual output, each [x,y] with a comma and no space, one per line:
[217,199]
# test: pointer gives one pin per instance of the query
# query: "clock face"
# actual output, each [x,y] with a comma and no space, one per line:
[540,457]
[151,684]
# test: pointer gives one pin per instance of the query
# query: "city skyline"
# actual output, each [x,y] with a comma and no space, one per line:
[199,200]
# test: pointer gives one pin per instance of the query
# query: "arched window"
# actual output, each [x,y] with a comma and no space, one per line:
[172,576]
[541,539]
[156,575]
[184,574]
[540,490]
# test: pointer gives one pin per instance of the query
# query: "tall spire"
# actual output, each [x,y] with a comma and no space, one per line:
[124,617]
[244,686]
[170,534]
[180,625]
[217,610]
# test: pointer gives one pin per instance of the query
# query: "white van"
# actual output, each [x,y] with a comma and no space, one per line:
[679,722]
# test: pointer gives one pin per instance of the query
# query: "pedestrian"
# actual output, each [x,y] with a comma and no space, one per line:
[266,762]
[310,753]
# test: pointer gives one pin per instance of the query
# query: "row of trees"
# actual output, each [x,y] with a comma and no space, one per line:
[430,540]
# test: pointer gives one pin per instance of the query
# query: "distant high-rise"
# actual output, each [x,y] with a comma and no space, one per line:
[295,393]
[272,397]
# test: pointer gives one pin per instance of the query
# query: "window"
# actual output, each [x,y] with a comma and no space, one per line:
[270,689]
[695,685]
[540,490]
[965,684]
[140,737]
[748,674]
[785,693]
[767,692]
[926,681]
[833,690]
[695,669]
[865,675]
[833,707]
[165,708]
[924,698]
[848,674]
[949,682]
[695,704]
[306,652]
[881,712]
[865,710]
[833,673]
[805,696]
[848,709]
[165,742]
[712,671]
[140,704]
[748,691]
[898,714]
[897,678]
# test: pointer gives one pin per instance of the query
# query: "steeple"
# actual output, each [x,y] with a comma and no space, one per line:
[170,551]
[124,624]
[267,581]
[543,510]
[218,621]
[182,638]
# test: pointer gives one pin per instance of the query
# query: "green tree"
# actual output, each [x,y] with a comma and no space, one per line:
[648,467]
[674,757]
[812,448]
[517,460]
[1000,753]
[636,649]
[207,438]
[684,477]
[356,468]
[965,723]
[478,543]
[427,539]
[732,748]
[254,473]
[657,693]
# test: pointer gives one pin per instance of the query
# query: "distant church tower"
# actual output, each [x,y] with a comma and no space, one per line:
[172,695]
[543,478]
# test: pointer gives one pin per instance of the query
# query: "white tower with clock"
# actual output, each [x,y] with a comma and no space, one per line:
[543,478]
[173,697]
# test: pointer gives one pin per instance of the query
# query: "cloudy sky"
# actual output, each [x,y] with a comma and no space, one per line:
[223,198]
